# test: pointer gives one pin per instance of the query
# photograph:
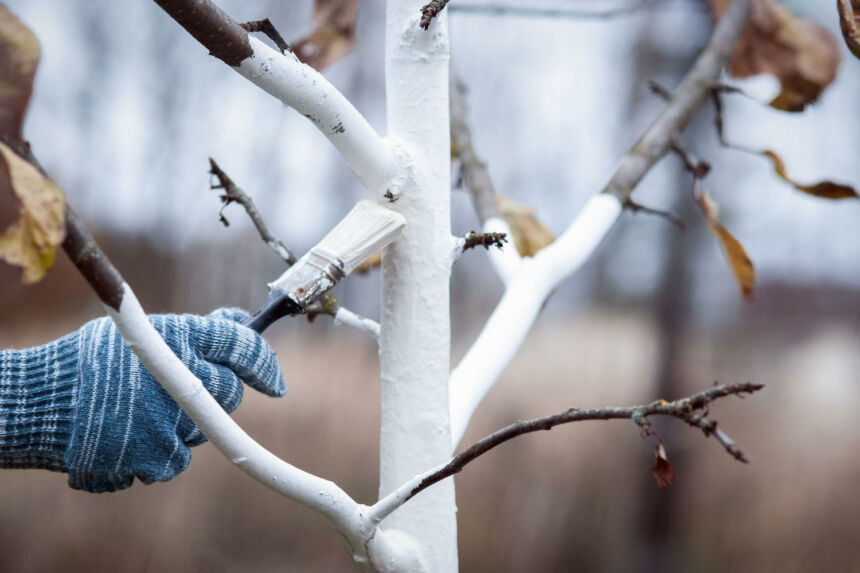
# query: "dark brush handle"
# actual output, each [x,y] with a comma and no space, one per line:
[278,305]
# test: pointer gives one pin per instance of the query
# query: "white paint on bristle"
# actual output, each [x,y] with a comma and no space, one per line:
[366,229]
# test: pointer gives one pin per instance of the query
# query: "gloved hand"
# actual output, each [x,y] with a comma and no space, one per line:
[84,404]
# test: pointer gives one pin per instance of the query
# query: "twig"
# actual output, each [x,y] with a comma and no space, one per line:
[429,11]
[546,12]
[692,410]
[234,193]
[266,27]
[635,207]
[473,169]
[695,166]
[485,240]
[693,91]
[212,27]
[659,89]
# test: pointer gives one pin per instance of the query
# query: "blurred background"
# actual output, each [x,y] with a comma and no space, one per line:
[128,107]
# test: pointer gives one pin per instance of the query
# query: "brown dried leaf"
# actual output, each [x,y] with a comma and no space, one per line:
[803,55]
[19,56]
[663,470]
[530,235]
[370,263]
[742,267]
[334,34]
[31,242]
[826,189]
[849,20]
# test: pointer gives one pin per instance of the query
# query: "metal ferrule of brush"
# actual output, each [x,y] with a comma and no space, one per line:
[311,277]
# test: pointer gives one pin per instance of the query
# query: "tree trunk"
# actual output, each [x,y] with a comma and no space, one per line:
[415,330]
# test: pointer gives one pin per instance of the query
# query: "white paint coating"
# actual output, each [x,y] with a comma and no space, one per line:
[528,286]
[506,261]
[415,330]
[348,517]
[308,92]
[349,318]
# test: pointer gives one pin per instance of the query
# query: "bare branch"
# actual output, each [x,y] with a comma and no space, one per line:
[635,207]
[473,170]
[485,240]
[692,410]
[212,27]
[266,27]
[429,11]
[691,94]
[234,193]
[573,13]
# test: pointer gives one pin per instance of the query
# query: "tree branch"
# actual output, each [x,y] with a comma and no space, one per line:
[692,410]
[555,13]
[295,84]
[429,11]
[473,170]
[485,240]
[690,95]
[212,27]
[234,193]
[266,27]
[535,278]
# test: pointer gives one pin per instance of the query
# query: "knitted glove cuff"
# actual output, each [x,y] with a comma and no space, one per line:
[38,389]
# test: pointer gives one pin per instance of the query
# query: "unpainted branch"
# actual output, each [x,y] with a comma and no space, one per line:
[690,95]
[212,27]
[234,193]
[558,13]
[485,240]
[473,170]
[266,27]
[692,410]
[430,11]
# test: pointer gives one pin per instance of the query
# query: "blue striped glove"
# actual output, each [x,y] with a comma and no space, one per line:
[84,404]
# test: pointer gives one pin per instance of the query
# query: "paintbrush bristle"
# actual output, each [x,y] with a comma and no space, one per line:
[366,229]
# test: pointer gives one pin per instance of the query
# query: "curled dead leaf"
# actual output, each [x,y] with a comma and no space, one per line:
[663,470]
[530,235]
[826,189]
[31,242]
[804,56]
[741,264]
[19,57]
[333,36]
[849,21]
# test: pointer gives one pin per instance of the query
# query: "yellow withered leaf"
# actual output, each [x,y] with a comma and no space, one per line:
[741,264]
[825,189]
[31,242]
[530,235]
[19,57]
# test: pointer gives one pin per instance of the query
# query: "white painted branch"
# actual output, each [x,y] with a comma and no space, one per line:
[324,496]
[349,318]
[308,92]
[513,317]
[506,261]
[524,296]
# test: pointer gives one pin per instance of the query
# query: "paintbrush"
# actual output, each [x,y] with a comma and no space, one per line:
[367,228]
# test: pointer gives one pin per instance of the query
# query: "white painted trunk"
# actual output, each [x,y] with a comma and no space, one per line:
[414,339]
